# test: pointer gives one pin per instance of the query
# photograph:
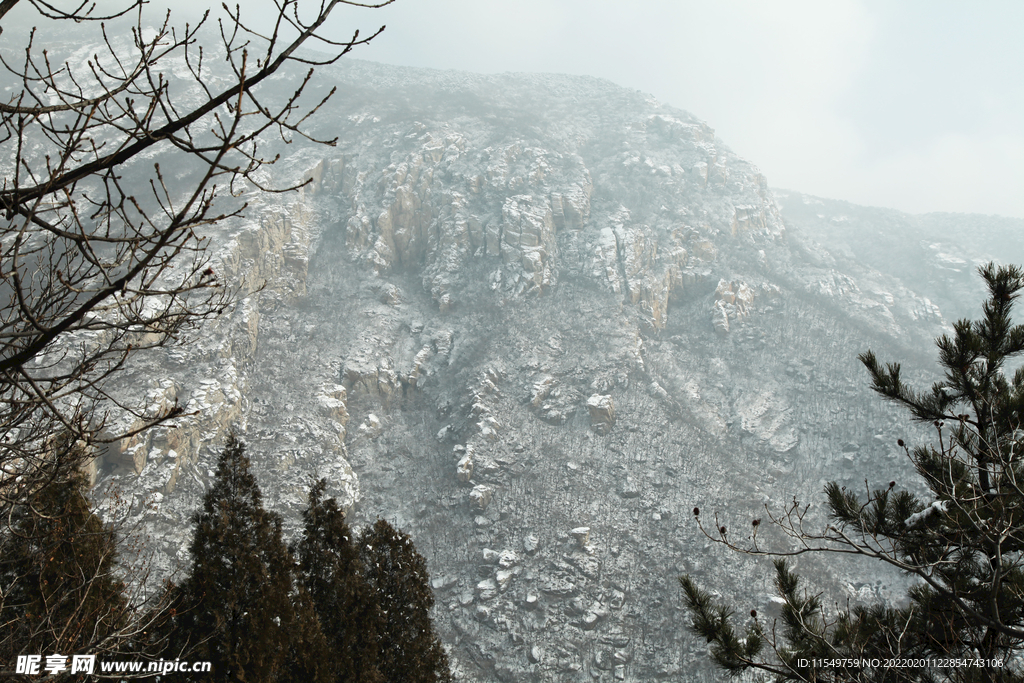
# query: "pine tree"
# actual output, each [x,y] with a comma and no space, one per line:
[310,658]
[964,544]
[59,592]
[235,607]
[408,651]
[332,575]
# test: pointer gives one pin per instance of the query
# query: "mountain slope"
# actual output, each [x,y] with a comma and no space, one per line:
[533,320]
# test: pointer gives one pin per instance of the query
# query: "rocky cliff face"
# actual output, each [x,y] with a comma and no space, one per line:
[534,320]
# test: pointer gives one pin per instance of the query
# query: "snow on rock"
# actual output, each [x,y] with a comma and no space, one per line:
[602,413]
[480,496]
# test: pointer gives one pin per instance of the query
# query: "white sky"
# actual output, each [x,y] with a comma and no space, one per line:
[913,105]
[916,105]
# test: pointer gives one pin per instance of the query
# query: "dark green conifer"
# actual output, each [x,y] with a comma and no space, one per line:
[409,651]
[58,589]
[235,607]
[333,577]
[310,658]
[964,543]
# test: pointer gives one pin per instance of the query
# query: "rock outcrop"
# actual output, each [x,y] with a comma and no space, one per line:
[533,320]
[602,413]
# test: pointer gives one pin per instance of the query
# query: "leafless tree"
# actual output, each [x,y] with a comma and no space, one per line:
[101,251]
[113,164]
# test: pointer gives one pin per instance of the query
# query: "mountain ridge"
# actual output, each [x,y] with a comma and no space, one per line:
[534,341]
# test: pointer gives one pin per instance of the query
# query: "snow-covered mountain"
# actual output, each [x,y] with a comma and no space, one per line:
[533,320]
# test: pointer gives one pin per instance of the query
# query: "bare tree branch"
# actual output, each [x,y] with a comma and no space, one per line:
[102,253]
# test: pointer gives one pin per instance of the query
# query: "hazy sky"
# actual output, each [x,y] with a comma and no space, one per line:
[912,105]
[917,105]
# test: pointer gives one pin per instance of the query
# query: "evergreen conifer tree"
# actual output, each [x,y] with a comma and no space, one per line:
[235,608]
[59,592]
[332,575]
[964,544]
[408,650]
[309,658]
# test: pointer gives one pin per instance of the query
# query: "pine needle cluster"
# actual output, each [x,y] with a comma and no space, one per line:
[963,617]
